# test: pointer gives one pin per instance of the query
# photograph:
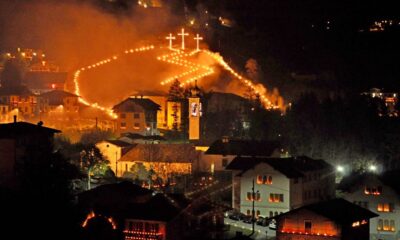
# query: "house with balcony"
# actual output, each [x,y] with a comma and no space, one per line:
[379,194]
[280,184]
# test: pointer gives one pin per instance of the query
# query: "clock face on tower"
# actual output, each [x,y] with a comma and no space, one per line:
[194,109]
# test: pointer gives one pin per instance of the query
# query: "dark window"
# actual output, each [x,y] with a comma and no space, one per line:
[122,115]
[307,226]
[123,124]
[136,115]
[224,162]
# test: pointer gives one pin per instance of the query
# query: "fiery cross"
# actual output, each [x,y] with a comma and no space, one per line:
[183,34]
[170,38]
[197,38]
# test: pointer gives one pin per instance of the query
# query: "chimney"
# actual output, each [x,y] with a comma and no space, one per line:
[15,118]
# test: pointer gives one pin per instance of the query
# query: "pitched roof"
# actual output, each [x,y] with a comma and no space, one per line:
[119,143]
[131,105]
[56,97]
[173,153]
[127,200]
[140,136]
[24,128]
[292,167]
[338,210]
[353,181]
[243,148]
[17,90]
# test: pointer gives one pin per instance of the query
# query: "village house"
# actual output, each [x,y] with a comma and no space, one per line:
[16,140]
[379,194]
[335,219]
[280,184]
[137,115]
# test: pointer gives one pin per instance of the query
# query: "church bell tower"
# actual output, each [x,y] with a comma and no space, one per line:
[194,113]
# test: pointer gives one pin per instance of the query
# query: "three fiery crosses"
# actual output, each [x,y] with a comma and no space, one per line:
[170,37]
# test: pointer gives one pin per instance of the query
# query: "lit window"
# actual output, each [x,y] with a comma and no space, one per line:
[264,179]
[275,197]
[386,225]
[373,190]
[253,196]
[385,207]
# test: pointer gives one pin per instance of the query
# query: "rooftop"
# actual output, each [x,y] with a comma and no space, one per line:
[119,143]
[174,153]
[293,167]
[17,90]
[56,97]
[131,105]
[23,128]
[243,148]
[338,210]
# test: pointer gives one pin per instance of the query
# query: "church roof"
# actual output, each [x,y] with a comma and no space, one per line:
[293,167]
[130,105]
[243,148]
[173,153]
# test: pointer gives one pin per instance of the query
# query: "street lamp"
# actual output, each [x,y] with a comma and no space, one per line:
[340,168]
[372,168]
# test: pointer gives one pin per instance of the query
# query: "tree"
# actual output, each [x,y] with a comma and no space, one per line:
[92,162]
[253,70]
[176,92]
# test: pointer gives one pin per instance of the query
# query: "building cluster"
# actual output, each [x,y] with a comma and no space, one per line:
[297,194]
[388,100]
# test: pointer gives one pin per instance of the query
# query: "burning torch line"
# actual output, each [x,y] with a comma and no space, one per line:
[183,62]
[113,58]
[247,82]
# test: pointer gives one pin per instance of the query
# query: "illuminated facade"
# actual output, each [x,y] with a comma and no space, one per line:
[137,115]
[164,159]
[20,101]
[281,184]
[195,113]
[174,115]
[60,102]
[333,219]
[113,150]
[372,193]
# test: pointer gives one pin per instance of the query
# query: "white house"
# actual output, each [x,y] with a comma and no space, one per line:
[113,150]
[377,195]
[280,184]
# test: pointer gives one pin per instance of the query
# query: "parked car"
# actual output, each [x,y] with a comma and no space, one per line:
[272,224]
[234,215]
[247,219]
[262,220]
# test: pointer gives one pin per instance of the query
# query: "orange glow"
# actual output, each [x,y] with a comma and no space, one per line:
[92,215]
[77,73]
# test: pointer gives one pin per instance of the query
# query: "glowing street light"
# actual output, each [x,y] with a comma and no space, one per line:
[340,168]
[372,168]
